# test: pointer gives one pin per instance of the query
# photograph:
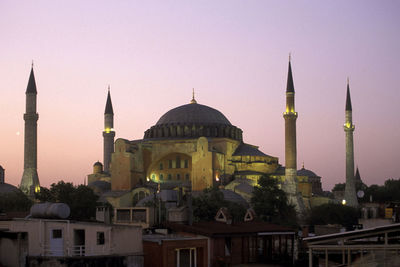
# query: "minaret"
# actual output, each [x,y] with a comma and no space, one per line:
[30,180]
[108,133]
[290,116]
[350,191]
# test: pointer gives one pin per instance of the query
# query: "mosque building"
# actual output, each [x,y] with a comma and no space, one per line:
[196,145]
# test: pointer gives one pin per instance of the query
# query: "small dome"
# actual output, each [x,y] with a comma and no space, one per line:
[7,188]
[305,172]
[98,163]
[193,114]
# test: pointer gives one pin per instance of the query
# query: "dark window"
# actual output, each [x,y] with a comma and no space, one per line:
[186,163]
[161,166]
[169,176]
[57,233]
[139,216]
[100,238]
[161,177]
[178,162]
[178,176]
[123,215]
[170,163]
[187,176]
[228,246]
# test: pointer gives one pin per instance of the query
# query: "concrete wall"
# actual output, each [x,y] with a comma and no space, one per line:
[117,239]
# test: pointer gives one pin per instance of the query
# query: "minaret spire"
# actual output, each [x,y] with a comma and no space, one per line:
[350,190]
[30,179]
[193,101]
[108,133]
[348,98]
[290,185]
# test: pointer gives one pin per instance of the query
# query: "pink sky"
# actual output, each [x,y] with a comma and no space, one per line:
[234,53]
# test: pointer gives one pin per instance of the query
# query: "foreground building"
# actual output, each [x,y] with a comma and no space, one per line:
[37,242]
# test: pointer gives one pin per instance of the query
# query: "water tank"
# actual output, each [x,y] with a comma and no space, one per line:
[50,210]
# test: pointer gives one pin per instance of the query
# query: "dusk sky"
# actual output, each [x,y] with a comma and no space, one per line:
[235,55]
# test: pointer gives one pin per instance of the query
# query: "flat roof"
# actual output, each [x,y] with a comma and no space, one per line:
[214,228]
[355,233]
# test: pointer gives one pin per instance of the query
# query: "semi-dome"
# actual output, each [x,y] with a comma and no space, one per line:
[193,121]
[193,113]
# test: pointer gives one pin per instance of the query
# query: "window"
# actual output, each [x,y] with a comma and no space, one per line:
[170,164]
[228,246]
[57,233]
[161,166]
[187,176]
[123,215]
[178,162]
[153,176]
[161,176]
[139,215]
[169,176]
[186,163]
[178,176]
[100,238]
[186,257]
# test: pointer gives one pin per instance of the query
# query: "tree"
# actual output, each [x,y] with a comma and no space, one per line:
[332,213]
[206,206]
[271,204]
[84,203]
[14,201]
[81,199]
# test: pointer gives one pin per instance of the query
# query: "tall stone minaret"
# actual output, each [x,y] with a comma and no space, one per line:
[290,116]
[108,133]
[30,180]
[350,190]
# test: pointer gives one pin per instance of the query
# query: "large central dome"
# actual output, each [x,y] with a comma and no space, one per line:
[193,114]
[193,121]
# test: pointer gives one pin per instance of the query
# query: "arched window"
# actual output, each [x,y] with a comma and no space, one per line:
[178,176]
[161,176]
[187,176]
[169,176]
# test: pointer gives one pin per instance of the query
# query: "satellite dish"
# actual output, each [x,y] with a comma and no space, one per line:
[360,194]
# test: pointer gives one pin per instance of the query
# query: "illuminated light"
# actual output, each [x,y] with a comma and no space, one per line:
[344,202]
[148,179]
[107,130]
[37,189]
[217,178]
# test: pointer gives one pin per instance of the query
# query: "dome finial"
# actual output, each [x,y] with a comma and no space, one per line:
[193,101]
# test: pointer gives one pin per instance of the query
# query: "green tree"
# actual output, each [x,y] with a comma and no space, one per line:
[14,201]
[271,204]
[206,206]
